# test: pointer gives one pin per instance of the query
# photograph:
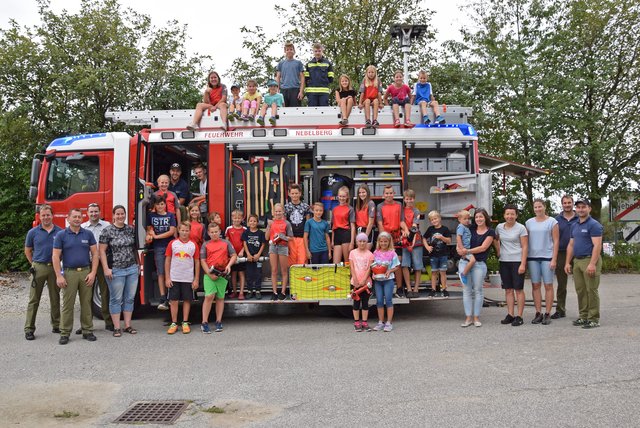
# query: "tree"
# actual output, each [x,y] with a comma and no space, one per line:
[61,76]
[355,33]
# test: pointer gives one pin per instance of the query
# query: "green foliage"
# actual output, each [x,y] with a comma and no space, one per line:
[626,259]
[61,76]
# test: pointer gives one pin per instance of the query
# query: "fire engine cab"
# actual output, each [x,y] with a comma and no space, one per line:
[250,167]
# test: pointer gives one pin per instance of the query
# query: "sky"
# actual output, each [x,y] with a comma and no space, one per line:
[200,16]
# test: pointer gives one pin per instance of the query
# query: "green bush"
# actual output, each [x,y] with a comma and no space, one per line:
[626,259]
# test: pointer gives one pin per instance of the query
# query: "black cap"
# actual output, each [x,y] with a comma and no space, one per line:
[583,201]
[235,85]
[176,166]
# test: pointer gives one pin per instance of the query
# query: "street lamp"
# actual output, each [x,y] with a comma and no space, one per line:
[405,34]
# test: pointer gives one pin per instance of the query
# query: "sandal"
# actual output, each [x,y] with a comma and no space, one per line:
[130,330]
[396,123]
[117,332]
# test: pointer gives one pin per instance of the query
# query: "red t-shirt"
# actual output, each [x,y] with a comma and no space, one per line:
[215,94]
[171,200]
[280,226]
[363,215]
[342,216]
[234,235]
[400,93]
[196,233]
[217,253]
[391,215]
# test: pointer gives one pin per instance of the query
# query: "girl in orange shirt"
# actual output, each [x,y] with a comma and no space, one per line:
[343,224]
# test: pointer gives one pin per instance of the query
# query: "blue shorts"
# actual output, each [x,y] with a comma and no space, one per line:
[540,271]
[413,258]
[158,257]
[439,264]
[400,102]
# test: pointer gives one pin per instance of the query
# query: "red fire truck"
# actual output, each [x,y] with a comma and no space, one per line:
[250,168]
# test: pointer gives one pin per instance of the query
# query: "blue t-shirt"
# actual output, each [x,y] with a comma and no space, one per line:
[42,242]
[181,189]
[540,238]
[290,73]
[422,92]
[564,226]
[161,224]
[277,98]
[465,233]
[317,231]
[76,247]
[254,240]
[477,240]
[581,233]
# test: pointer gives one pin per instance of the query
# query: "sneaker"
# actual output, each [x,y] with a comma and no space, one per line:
[558,315]
[445,293]
[466,324]
[477,323]
[375,124]
[186,328]
[241,296]
[463,278]
[357,326]
[396,123]
[274,298]
[90,337]
[205,328]
[258,295]
[192,127]
[231,117]
[63,340]
[440,120]
[367,124]
[218,327]
[507,320]
[379,326]
[260,120]
[163,306]
[244,118]
[579,322]
[546,320]
[537,319]
[396,296]
[365,326]
[282,296]
[172,328]
[408,124]
[438,294]
[517,321]
[272,121]
[591,324]
[388,327]
[29,335]
[431,293]
[426,120]
[251,118]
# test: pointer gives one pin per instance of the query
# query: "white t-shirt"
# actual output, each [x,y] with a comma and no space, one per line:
[182,260]
[540,238]
[510,246]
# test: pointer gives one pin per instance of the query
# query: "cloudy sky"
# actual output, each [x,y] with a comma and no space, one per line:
[204,16]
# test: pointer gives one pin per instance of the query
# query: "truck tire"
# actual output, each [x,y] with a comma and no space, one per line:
[96,301]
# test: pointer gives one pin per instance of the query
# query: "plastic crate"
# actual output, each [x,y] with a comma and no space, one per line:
[437,164]
[456,164]
[363,173]
[387,173]
[379,188]
[418,165]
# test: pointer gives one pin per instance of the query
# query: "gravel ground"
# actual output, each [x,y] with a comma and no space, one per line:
[297,367]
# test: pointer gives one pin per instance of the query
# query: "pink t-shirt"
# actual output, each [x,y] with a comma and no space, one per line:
[182,255]
[361,261]
[400,93]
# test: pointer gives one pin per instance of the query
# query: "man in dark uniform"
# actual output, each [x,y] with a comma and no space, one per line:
[177,185]
[77,249]
[585,245]
[38,248]
[566,219]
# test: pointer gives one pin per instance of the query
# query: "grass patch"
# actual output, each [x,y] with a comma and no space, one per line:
[214,409]
[66,414]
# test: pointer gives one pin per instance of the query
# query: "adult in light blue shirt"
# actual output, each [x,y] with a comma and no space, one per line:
[544,241]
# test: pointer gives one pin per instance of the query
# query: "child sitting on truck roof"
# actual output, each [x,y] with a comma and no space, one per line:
[250,101]
[235,103]
[214,98]
[398,95]
[272,100]
[423,97]
[371,96]
[345,99]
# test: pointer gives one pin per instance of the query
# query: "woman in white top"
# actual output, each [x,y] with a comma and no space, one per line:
[544,241]
[511,244]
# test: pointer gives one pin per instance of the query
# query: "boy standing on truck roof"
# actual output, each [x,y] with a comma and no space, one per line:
[290,77]
[183,270]
[318,77]
[216,257]
[390,217]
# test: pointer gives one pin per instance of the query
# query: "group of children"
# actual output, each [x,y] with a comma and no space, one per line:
[293,80]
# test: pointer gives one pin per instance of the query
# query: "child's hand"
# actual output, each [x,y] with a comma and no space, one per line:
[194,284]
[308,255]
[429,249]
[212,276]
[213,108]
[169,284]
[227,269]
[360,106]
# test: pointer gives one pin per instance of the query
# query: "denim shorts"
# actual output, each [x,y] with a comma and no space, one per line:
[158,256]
[540,271]
[413,258]
[281,250]
[439,264]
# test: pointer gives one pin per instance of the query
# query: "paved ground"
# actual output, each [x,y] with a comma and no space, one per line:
[302,368]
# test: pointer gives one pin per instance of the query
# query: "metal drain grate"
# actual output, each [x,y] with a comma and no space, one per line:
[156,412]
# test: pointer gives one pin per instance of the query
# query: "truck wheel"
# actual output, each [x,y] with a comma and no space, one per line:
[96,301]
